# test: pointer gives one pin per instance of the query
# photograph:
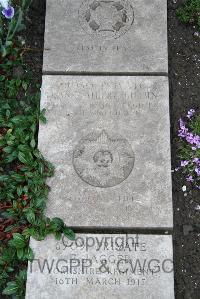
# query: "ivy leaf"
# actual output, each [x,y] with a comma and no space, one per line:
[11,288]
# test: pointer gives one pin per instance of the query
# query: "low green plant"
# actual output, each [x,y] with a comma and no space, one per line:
[189,12]
[189,150]
[23,169]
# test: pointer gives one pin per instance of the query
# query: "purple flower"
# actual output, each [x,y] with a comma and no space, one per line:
[196,160]
[8,12]
[190,138]
[193,139]
[190,113]
[183,130]
[181,122]
[197,170]
[184,163]
[190,178]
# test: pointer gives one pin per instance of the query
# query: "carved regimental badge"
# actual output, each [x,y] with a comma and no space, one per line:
[103,160]
[106,18]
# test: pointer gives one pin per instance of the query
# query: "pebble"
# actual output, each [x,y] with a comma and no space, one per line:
[184,188]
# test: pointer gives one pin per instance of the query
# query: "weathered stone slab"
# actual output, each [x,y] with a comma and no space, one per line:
[109,139]
[106,36]
[102,267]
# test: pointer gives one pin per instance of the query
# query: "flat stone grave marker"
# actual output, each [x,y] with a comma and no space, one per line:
[109,139]
[122,36]
[102,266]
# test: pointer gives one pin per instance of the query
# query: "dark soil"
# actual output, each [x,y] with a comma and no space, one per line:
[184,77]
[34,37]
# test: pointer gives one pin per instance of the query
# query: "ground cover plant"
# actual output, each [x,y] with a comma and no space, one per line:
[189,133]
[23,170]
[189,12]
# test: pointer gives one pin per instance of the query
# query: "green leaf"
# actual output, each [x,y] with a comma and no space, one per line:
[2,78]
[25,85]
[58,235]
[19,240]
[69,233]
[2,141]
[29,254]
[19,190]
[33,128]
[11,288]
[10,269]
[4,178]
[57,224]
[17,177]
[37,154]
[22,275]
[22,158]
[8,149]
[20,253]
[17,119]
[9,43]
[3,51]
[9,228]
[42,116]
[8,113]
[33,143]
[30,215]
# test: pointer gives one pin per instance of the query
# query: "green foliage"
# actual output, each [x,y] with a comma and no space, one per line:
[189,12]
[23,173]
[16,286]
[23,169]
[189,149]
